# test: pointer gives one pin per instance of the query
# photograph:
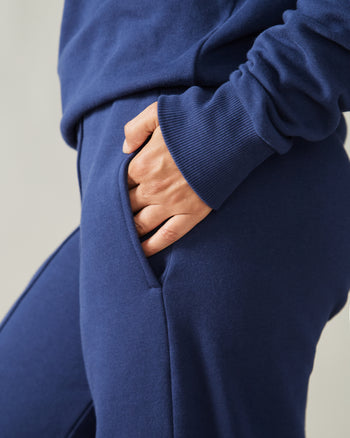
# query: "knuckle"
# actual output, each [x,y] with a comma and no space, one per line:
[150,189]
[144,192]
[140,227]
[128,129]
[154,187]
[139,167]
[168,234]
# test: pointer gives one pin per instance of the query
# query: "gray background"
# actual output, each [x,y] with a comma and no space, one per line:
[40,202]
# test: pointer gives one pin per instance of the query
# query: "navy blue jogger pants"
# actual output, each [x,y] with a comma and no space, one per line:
[214,336]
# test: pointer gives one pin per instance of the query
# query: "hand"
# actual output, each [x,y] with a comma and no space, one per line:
[157,188]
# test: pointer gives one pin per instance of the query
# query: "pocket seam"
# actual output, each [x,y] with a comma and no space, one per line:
[79,147]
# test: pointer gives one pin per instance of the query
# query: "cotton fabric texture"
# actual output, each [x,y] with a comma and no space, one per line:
[214,336]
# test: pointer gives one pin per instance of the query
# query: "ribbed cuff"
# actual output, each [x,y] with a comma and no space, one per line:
[212,140]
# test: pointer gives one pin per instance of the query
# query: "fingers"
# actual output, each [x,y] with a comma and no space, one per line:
[153,159]
[136,201]
[138,129]
[137,168]
[149,218]
[173,229]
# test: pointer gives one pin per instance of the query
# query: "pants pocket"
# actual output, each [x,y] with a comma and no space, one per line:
[155,267]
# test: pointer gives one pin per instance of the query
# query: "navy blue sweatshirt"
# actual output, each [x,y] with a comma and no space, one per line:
[256,74]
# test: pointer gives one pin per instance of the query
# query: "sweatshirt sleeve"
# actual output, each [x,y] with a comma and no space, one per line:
[295,82]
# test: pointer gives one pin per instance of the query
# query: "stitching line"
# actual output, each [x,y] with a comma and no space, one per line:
[170,361]
[80,419]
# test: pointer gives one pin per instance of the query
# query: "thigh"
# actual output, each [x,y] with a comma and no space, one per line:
[44,391]
[249,291]
[216,334]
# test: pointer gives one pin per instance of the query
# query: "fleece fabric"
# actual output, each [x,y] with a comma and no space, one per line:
[256,74]
[214,336]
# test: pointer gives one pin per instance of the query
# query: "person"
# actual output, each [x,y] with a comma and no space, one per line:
[214,240]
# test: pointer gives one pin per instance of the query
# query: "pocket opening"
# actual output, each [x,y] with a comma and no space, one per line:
[80,137]
[152,279]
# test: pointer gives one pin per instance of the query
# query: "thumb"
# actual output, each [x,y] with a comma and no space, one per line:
[138,129]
